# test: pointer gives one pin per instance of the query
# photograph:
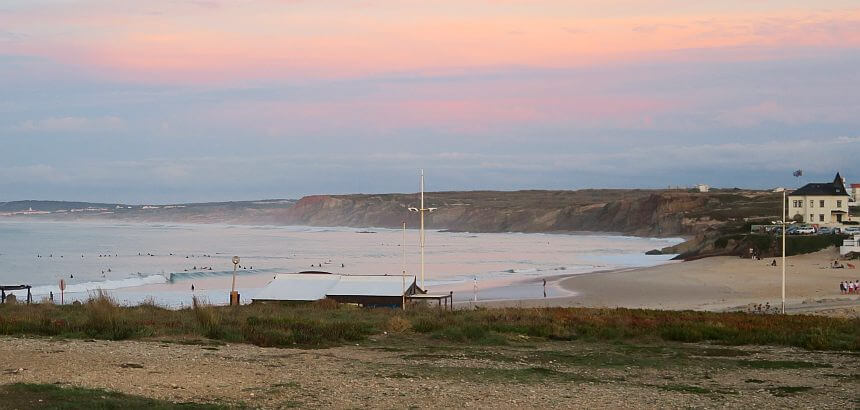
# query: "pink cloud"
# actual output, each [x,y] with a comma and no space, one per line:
[283,41]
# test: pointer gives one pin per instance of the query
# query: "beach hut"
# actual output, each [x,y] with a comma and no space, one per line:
[364,290]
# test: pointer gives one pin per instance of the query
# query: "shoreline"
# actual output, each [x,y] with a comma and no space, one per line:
[721,283]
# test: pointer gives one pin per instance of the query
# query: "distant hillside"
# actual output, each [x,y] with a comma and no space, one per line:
[701,216]
[49,206]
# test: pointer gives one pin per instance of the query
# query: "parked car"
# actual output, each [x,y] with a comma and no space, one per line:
[825,230]
[803,230]
[851,230]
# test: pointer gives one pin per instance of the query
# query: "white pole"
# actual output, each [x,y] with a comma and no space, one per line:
[783,251]
[233,286]
[403,287]
[475,290]
[422,238]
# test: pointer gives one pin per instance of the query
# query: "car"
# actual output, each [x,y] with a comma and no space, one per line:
[791,230]
[803,230]
[825,230]
[851,230]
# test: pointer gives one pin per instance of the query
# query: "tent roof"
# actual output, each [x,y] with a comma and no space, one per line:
[370,286]
[316,286]
[305,286]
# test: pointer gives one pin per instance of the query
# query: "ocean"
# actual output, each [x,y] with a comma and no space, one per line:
[160,262]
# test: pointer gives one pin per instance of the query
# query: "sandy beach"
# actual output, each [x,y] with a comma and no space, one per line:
[714,284]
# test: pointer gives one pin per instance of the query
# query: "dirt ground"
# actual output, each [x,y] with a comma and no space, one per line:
[398,372]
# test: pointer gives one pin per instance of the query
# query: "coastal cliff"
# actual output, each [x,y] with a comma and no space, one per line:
[659,213]
[702,218]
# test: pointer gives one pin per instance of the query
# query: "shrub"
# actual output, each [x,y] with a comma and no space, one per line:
[398,324]
[208,318]
[105,320]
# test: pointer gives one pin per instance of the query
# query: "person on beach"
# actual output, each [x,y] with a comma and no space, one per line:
[773,263]
[544,288]
[842,287]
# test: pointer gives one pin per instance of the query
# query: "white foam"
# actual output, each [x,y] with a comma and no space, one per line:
[86,287]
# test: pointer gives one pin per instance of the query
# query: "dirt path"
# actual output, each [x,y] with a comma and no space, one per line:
[393,374]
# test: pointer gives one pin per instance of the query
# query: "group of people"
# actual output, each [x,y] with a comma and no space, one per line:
[848,287]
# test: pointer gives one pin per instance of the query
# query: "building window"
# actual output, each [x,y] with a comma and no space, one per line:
[839,203]
[820,217]
[811,217]
[811,204]
[821,203]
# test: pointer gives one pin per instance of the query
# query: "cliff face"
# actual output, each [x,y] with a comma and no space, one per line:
[635,212]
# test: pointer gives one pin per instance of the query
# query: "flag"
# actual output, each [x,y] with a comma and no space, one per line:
[798,173]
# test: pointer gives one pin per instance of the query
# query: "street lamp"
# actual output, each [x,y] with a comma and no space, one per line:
[421,238]
[234,295]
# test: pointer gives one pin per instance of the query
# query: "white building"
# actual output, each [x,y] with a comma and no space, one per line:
[821,203]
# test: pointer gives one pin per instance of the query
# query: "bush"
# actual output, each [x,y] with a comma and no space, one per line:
[105,320]
[208,318]
[799,245]
[398,324]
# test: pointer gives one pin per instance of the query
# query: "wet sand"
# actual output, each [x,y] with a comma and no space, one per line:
[713,284]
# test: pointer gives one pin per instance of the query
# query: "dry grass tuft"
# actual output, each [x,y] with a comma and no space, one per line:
[398,324]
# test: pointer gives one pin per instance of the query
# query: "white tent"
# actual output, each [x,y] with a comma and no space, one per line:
[315,286]
[298,287]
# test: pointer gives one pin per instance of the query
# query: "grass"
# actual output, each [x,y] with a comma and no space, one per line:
[325,324]
[49,396]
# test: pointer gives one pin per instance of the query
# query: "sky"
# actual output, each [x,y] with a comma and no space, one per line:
[164,101]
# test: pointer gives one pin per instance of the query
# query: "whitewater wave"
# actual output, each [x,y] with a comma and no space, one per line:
[134,281]
[85,287]
[179,276]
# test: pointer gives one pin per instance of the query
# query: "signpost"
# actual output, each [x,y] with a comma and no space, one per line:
[234,295]
[62,290]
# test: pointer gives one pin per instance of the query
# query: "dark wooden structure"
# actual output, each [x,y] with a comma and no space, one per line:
[4,288]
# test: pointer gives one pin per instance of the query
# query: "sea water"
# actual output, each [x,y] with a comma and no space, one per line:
[161,261]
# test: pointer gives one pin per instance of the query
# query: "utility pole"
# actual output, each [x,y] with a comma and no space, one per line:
[403,287]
